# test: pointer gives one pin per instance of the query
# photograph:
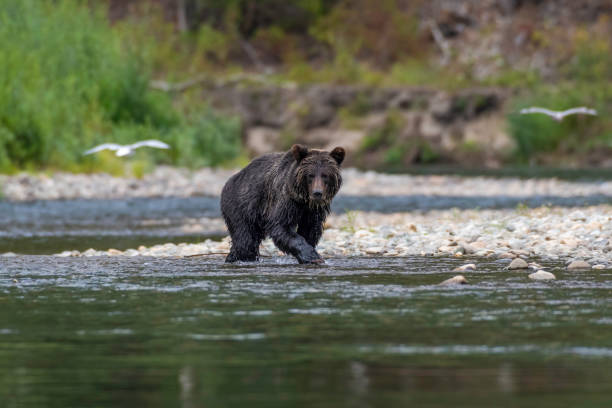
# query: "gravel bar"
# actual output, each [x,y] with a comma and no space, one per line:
[176,182]
[547,231]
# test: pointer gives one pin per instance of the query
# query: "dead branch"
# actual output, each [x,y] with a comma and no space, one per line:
[210,81]
[440,41]
[210,253]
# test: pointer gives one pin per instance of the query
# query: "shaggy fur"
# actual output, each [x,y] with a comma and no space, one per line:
[285,196]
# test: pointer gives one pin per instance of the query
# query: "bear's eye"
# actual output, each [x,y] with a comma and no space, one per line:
[310,177]
[324,176]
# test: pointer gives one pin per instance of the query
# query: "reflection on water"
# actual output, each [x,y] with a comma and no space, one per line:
[113,332]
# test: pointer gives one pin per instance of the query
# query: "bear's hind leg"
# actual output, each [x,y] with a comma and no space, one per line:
[245,245]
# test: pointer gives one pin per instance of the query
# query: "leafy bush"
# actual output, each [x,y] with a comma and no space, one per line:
[589,76]
[208,140]
[381,31]
[68,82]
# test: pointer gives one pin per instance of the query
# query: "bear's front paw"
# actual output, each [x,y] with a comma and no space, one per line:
[317,260]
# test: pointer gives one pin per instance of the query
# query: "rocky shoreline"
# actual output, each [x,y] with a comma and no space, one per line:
[176,182]
[546,232]
[551,233]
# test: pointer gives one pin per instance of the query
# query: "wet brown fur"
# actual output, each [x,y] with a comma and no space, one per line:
[285,196]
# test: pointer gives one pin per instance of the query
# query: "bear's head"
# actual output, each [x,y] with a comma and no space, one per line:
[317,174]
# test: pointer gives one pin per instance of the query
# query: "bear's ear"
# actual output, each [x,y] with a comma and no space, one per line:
[338,155]
[299,152]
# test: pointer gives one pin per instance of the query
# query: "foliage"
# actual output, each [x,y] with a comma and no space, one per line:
[373,30]
[385,135]
[68,82]
[590,74]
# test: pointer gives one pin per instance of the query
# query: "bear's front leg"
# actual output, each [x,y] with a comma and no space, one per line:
[311,227]
[294,244]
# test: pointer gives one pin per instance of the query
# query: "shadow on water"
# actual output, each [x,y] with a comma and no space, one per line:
[354,332]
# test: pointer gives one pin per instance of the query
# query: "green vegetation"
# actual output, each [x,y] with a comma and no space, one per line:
[68,82]
[351,222]
[589,84]
[386,134]
[71,77]
[399,148]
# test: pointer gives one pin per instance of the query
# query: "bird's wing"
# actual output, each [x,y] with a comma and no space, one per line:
[535,109]
[150,143]
[105,146]
[582,109]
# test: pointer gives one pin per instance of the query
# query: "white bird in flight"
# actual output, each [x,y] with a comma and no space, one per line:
[559,115]
[126,150]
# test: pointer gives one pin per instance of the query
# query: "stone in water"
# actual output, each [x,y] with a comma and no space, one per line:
[466,267]
[579,265]
[542,275]
[518,263]
[455,280]
[599,266]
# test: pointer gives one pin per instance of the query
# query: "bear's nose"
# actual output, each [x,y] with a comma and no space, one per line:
[317,194]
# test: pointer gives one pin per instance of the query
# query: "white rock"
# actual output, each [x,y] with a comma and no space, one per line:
[535,266]
[599,266]
[506,255]
[131,252]
[466,267]
[455,280]
[518,263]
[542,275]
[579,265]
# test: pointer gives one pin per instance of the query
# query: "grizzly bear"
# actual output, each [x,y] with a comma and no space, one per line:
[284,196]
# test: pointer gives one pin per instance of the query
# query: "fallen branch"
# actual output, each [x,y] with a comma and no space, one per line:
[207,80]
[179,86]
[210,253]
[253,56]
[440,41]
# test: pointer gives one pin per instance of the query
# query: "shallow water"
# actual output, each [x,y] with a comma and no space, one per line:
[47,227]
[356,332]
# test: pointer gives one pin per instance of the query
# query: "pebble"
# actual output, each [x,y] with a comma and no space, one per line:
[578,265]
[542,275]
[466,267]
[599,266]
[455,280]
[518,263]
[506,255]
[535,266]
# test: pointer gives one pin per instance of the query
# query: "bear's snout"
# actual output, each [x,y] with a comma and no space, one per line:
[317,189]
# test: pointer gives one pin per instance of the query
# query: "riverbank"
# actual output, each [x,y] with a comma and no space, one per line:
[177,182]
[415,215]
[548,233]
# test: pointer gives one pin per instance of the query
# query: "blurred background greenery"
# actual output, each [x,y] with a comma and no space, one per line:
[75,73]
